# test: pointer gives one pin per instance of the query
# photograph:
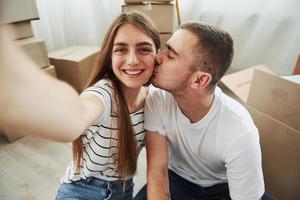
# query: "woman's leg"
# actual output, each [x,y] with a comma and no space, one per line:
[118,191]
[80,190]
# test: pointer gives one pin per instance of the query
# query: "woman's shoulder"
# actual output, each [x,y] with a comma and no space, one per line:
[105,83]
[102,89]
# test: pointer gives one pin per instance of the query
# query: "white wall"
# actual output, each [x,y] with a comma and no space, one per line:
[265,32]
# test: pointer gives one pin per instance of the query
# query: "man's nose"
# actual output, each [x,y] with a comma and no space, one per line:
[132,59]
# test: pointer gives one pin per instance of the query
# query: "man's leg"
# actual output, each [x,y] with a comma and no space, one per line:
[177,189]
[181,189]
[267,197]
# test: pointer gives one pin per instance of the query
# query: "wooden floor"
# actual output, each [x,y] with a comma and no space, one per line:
[34,166]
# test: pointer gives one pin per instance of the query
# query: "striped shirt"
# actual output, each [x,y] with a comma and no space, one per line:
[101,138]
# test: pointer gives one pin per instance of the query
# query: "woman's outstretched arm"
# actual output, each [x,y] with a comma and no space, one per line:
[34,103]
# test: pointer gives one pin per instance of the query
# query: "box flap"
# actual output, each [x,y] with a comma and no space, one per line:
[277,97]
[239,82]
[58,54]
[81,53]
[74,53]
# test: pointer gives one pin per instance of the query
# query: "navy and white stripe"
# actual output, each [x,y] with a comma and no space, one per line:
[100,139]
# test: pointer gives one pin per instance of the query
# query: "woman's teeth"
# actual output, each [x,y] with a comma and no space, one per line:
[133,71]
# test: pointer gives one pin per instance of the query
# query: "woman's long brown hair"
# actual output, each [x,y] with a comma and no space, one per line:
[127,147]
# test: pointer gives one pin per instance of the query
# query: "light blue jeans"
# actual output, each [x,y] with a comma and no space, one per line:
[96,189]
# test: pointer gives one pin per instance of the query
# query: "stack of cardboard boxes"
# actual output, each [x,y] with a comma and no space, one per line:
[273,103]
[17,15]
[161,12]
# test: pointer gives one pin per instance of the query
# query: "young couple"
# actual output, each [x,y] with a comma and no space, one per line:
[201,144]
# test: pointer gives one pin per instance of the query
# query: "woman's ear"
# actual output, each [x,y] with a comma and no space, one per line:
[201,79]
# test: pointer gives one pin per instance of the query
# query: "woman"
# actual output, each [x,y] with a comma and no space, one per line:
[105,155]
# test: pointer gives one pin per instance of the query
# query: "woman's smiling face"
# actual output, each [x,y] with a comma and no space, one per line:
[133,56]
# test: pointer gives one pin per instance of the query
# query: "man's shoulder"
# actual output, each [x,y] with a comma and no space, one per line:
[234,113]
[155,92]
[231,105]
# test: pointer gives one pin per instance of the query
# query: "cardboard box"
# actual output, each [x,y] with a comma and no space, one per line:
[164,38]
[74,64]
[16,11]
[50,70]
[141,1]
[20,30]
[36,49]
[297,67]
[273,103]
[162,15]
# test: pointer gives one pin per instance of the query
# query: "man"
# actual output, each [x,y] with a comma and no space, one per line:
[201,144]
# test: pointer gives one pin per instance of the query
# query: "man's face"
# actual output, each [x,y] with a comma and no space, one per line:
[173,70]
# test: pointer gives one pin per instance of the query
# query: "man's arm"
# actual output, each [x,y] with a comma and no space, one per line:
[157,166]
[244,168]
[35,103]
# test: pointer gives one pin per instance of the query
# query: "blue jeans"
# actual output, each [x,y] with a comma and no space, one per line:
[95,189]
[181,189]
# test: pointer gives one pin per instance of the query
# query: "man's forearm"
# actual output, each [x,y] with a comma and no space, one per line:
[158,186]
